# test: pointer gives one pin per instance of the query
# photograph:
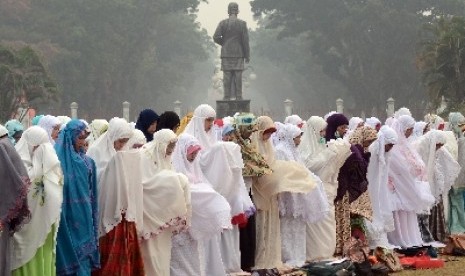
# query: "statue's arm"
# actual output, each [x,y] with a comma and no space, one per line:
[218,36]
[245,42]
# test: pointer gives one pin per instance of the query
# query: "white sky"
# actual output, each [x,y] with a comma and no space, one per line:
[211,13]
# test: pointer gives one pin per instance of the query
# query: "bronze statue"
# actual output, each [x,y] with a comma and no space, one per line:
[232,35]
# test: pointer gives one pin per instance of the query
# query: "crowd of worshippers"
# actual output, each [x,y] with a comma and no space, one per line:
[207,196]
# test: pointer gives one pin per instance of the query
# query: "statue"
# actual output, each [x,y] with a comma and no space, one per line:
[232,35]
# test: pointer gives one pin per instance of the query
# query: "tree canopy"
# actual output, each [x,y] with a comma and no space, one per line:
[104,52]
[23,76]
[442,60]
[368,46]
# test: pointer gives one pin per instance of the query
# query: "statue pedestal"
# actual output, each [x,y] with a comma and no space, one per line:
[229,108]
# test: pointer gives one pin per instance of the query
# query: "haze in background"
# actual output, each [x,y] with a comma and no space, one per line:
[211,13]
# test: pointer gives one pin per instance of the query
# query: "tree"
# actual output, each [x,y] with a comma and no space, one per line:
[110,51]
[23,77]
[442,61]
[369,46]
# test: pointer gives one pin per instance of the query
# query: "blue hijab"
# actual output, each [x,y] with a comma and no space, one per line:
[13,126]
[77,240]
[146,118]
[35,121]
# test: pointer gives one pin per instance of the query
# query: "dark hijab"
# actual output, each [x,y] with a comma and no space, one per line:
[146,118]
[334,121]
[14,211]
[168,120]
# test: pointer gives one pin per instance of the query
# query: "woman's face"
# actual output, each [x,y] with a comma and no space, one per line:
[438,146]
[119,144]
[55,132]
[81,143]
[388,147]
[176,127]
[323,133]
[191,156]
[297,140]
[408,132]
[209,123]
[342,130]
[462,127]
[152,128]
[266,136]
[170,148]
[17,136]
[228,137]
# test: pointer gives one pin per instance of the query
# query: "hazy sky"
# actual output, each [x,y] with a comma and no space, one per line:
[210,14]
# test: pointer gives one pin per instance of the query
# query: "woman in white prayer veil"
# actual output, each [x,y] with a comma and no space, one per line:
[211,214]
[221,163]
[377,175]
[226,158]
[156,249]
[278,134]
[136,141]
[374,123]
[442,171]
[419,130]
[294,120]
[52,125]
[354,123]
[287,176]
[410,190]
[106,146]
[325,161]
[141,203]
[402,111]
[200,126]
[34,244]
[297,209]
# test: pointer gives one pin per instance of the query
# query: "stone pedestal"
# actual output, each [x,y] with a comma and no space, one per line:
[229,108]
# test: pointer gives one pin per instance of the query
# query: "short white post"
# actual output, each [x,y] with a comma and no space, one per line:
[74,110]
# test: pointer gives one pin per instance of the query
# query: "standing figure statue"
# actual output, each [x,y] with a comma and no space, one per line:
[232,35]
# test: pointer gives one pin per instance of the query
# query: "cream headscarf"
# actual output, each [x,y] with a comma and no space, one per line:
[45,195]
[102,150]
[129,187]
[196,126]
[441,167]
[156,149]
[137,138]
[312,142]
[287,176]
[265,148]
[97,128]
